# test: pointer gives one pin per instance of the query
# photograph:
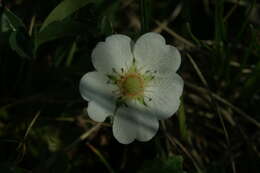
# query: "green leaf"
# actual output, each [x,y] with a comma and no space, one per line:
[21,44]
[60,29]
[171,165]
[63,10]
[9,21]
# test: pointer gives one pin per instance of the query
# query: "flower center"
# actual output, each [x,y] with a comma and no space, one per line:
[131,85]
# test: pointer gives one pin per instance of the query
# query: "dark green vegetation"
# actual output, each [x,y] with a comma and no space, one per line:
[42,115]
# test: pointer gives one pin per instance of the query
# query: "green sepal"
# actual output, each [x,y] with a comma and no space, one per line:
[112,77]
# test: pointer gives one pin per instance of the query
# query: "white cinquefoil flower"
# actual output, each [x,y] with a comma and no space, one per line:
[135,83]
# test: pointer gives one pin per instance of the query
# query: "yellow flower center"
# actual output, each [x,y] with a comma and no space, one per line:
[131,85]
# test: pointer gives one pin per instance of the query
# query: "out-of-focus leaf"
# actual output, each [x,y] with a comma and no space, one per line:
[60,29]
[59,162]
[109,18]
[52,141]
[3,113]
[63,10]
[9,21]
[182,122]
[62,163]
[216,167]
[8,168]
[253,83]
[60,53]
[4,39]
[106,26]
[5,24]
[71,53]
[21,44]
[171,165]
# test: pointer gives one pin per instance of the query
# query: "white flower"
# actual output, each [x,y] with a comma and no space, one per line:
[135,83]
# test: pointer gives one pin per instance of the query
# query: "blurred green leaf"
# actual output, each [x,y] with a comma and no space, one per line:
[4,40]
[21,44]
[3,113]
[8,168]
[60,29]
[106,26]
[71,53]
[101,157]
[61,164]
[182,122]
[145,9]
[109,18]
[171,165]
[253,83]
[9,21]
[60,53]
[216,168]
[63,10]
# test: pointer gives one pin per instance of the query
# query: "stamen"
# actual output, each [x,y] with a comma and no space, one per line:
[134,60]
[149,98]
[114,70]
[112,77]
[132,83]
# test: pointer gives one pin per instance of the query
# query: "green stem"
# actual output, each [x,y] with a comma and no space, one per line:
[145,15]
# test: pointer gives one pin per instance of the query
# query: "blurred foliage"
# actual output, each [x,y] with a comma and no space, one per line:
[172,164]
[45,49]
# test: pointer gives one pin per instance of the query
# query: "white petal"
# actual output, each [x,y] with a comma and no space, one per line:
[165,94]
[148,126]
[98,112]
[124,127]
[93,88]
[115,53]
[134,122]
[151,52]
